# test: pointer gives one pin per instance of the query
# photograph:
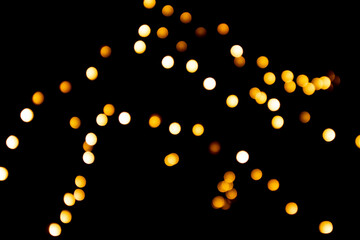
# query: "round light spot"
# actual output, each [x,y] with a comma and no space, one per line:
[69,199]
[236,51]
[38,98]
[124,118]
[174,128]
[167,62]
[269,78]
[75,122]
[198,129]
[185,17]
[54,229]
[171,160]
[329,135]
[105,51]
[262,62]
[154,120]
[80,181]
[3,174]
[88,157]
[91,139]
[162,33]
[256,174]
[232,101]
[101,119]
[273,104]
[277,122]
[291,208]
[12,142]
[109,109]
[326,227]
[144,30]
[273,185]
[26,115]
[242,157]
[139,47]
[192,66]
[223,29]
[65,216]
[65,87]
[92,73]
[149,4]
[209,83]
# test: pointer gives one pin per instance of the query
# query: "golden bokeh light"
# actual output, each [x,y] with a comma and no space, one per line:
[261,97]
[253,92]
[192,66]
[326,227]
[214,147]
[290,86]
[269,78]
[232,101]
[12,142]
[329,135]
[223,29]
[229,176]
[65,216]
[167,10]
[101,119]
[174,128]
[124,118]
[209,83]
[357,141]
[162,33]
[256,174]
[4,174]
[91,139]
[218,202]
[92,73]
[88,157]
[262,62]
[167,62]
[291,208]
[304,117]
[181,46]
[287,76]
[144,30]
[200,32]
[149,4]
[302,80]
[171,159]
[69,199]
[273,104]
[185,17]
[87,147]
[54,229]
[239,61]
[273,185]
[277,122]
[79,194]
[231,194]
[75,122]
[105,51]
[224,186]
[326,82]
[109,109]
[242,157]
[139,47]
[309,89]
[65,87]
[198,129]
[38,98]
[236,51]
[80,181]
[154,120]
[26,115]
[318,83]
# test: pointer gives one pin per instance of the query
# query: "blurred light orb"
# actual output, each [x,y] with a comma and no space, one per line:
[304,117]
[109,109]
[149,4]
[277,122]
[192,66]
[88,157]
[214,147]
[198,129]
[236,51]
[69,199]
[253,92]
[302,80]
[224,186]
[144,30]
[357,141]
[105,51]
[155,120]
[273,104]
[65,87]
[218,202]
[239,62]
[262,62]
[12,142]
[185,17]
[242,156]
[65,216]
[287,76]
[256,174]
[181,46]
[309,89]
[79,194]
[326,82]
[273,185]
[38,98]
[291,208]
[269,78]
[124,118]
[229,176]
[261,97]
[54,229]
[223,29]
[101,119]
[171,159]
[167,10]
[162,33]
[139,47]
[26,115]
[87,147]
[75,122]
[91,139]
[80,181]
[200,32]
[231,194]
[290,86]
[92,73]
[328,135]
[232,101]
[209,83]
[174,128]
[3,174]
[326,227]
[167,62]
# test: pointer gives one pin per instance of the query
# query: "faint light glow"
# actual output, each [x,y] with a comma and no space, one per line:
[326,227]
[167,10]
[181,46]
[105,51]
[92,73]
[174,128]
[167,62]
[273,185]
[269,78]
[144,30]
[149,4]
[65,87]
[185,17]
[236,51]
[198,129]
[139,47]
[262,62]
[287,76]
[224,186]
[214,147]
[242,157]
[261,97]
[309,89]
[154,120]
[291,208]
[302,80]
[171,159]
[79,194]
[290,86]
[328,135]
[277,122]
[304,117]
[192,66]
[91,139]
[273,104]
[101,119]
[239,62]
[109,109]
[75,122]
[38,98]
[26,115]
[162,33]
[80,181]
[232,101]
[229,176]
[357,141]
[124,118]
[54,229]
[3,174]
[88,157]
[231,194]
[218,202]
[223,29]
[12,142]
[200,32]
[209,83]
[253,92]
[65,216]
[256,174]
[69,199]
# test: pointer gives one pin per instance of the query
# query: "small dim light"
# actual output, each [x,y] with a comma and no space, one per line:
[236,51]
[262,62]
[27,115]
[291,208]
[92,73]
[124,118]
[277,122]
[139,47]
[231,194]
[328,135]
[326,227]
[171,159]
[304,117]
[144,30]
[65,216]
[54,229]
[162,33]
[38,98]
[181,46]
[198,129]
[154,120]
[273,185]
[65,87]
[200,32]
[242,157]
[105,51]
[256,174]
[80,181]
[269,78]
[214,147]
[192,66]
[174,128]
[87,147]
[167,62]
[12,142]
[3,174]
[185,17]
[209,83]
[232,101]
[223,29]
[75,122]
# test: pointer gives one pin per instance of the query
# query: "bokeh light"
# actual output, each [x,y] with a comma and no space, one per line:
[91,139]
[101,119]
[192,66]
[75,122]
[69,199]
[88,157]
[198,129]
[236,51]
[231,194]
[229,176]
[253,92]
[290,86]
[232,101]
[200,32]
[277,122]
[65,216]
[124,118]
[80,181]
[185,17]
[26,115]
[167,62]
[38,98]
[273,104]
[239,61]
[291,208]
[167,10]
[287,76]
[181,46]
[209,83]
[149,4]
[105,51]
[154,120]
[309,89]
[174,128]
[54,229]
[65,87]
[223,29]
[326,227]
[214,147]
[171,159]
[3,173]
[139,47]
[218,202]
[144,30]
[304,117]
[79,194]
[162,33]
[302,80]
[109,109]
[328,135]
[12,142]
[269,78]
[242,156]
[262,62]
[256,174]
[92,73]
[273,185]
[224,186]
[261,97]
[357,141]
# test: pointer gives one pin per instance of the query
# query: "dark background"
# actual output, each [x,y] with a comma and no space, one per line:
[130,191]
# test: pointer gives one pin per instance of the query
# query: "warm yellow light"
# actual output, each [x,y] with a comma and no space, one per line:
[192,66]
[253,92]
[3,174]
[304,117]
[326,82]
[287,76]
[223,29]
[91,139]
[269,78]
[262,62]
[139,47]
[27,115]
[273,104]
[328,135]
[162,33]
[236,51]
[12,142]
[224,186]
[101,119]
[318,83]
[65,216]
[88,157]
[124,118]
[291,208]
[87,147]
[105,51]
[69,199]
[80,181]
[214,147]
[198,129]
[229,176]
[261,97]
[155,120]
[277,122]
[144,30]
[242,156]
[326,227]
[239,61]
[109,109]
[218,202]
[357,141]
[290,86]
[65,86]
[174,128]
[181,46]
[302,80]
[309,89]
[209,83]
[54,229]
[38,98]
[149,4]
[167,10]
[167,62]
[75,122]
[79,194]
[92,73]
[185,17]
[171,159]
[231,194]
[232,101]
[273,185]
[256,174]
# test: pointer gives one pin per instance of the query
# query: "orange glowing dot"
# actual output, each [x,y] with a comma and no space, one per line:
[223,29]
[269,78]
[256,174]
[181,46]
[171,159]
[54,229]
[329,135]
[277,122]
[167,10]
[326,227]
[105,51]
[236,51]
[154,121]
[262,62]
[109,109]
[215,147]
[304,117]
[38,98]
[27,115]
[65,87]
[162,32]
[92,73]
[185,17]
[239,61]
[75,122]
[218,202]
[3,174]
[273,185]
[149,4]
[200,32]
[291,208]
[287,76]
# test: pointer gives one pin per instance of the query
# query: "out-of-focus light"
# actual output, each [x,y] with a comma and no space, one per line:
[92,73]
[218,202]
[290,86]
[185,17]
[79,194]
[231,194]
[144,30]
[214,147]
[223,29]
[124,118]
[167,62]
[209,83]
[277,122]
[12,142]
[357,141]
[302,80]
[236,51]
[162,33]
[242,156]
[80,181]
[174,128]
[273,185]
[109,109]
[269,78]
[328,135]
[91,139]
[256,174]
[291,208]
[149,4]
[167,10]
[309,89]
[3,174]
[65,216]
[304,117]
[75,122]
[200,32]
[253,92]
[239,61]
[326,82]
[224,186]
[54,229]
[27,115]
[181,46]
[87,147]
[287,76]
[38,98]
[171,159]
[261,97]
[65,87]
[69,199]
[232,101]
[262,62]
[192,66]
[273,104]
[154,120]
[88,157]
[318,83]
[105,51]
[139,47]
[198,129]
[326,227]
[101,119]
[229,176]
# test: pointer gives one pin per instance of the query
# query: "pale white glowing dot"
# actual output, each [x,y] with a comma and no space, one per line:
[3,174]
[167,62]
[139,47]
[236,51]
[144,30]
[88,157]
[242,156]
[54,229]
[91,139]
[329,135]
[209,83]
[27,115]
[192,66]
[124,118]
[12,142]
[273,104]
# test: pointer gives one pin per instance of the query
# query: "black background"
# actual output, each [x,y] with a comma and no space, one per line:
[130,191]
